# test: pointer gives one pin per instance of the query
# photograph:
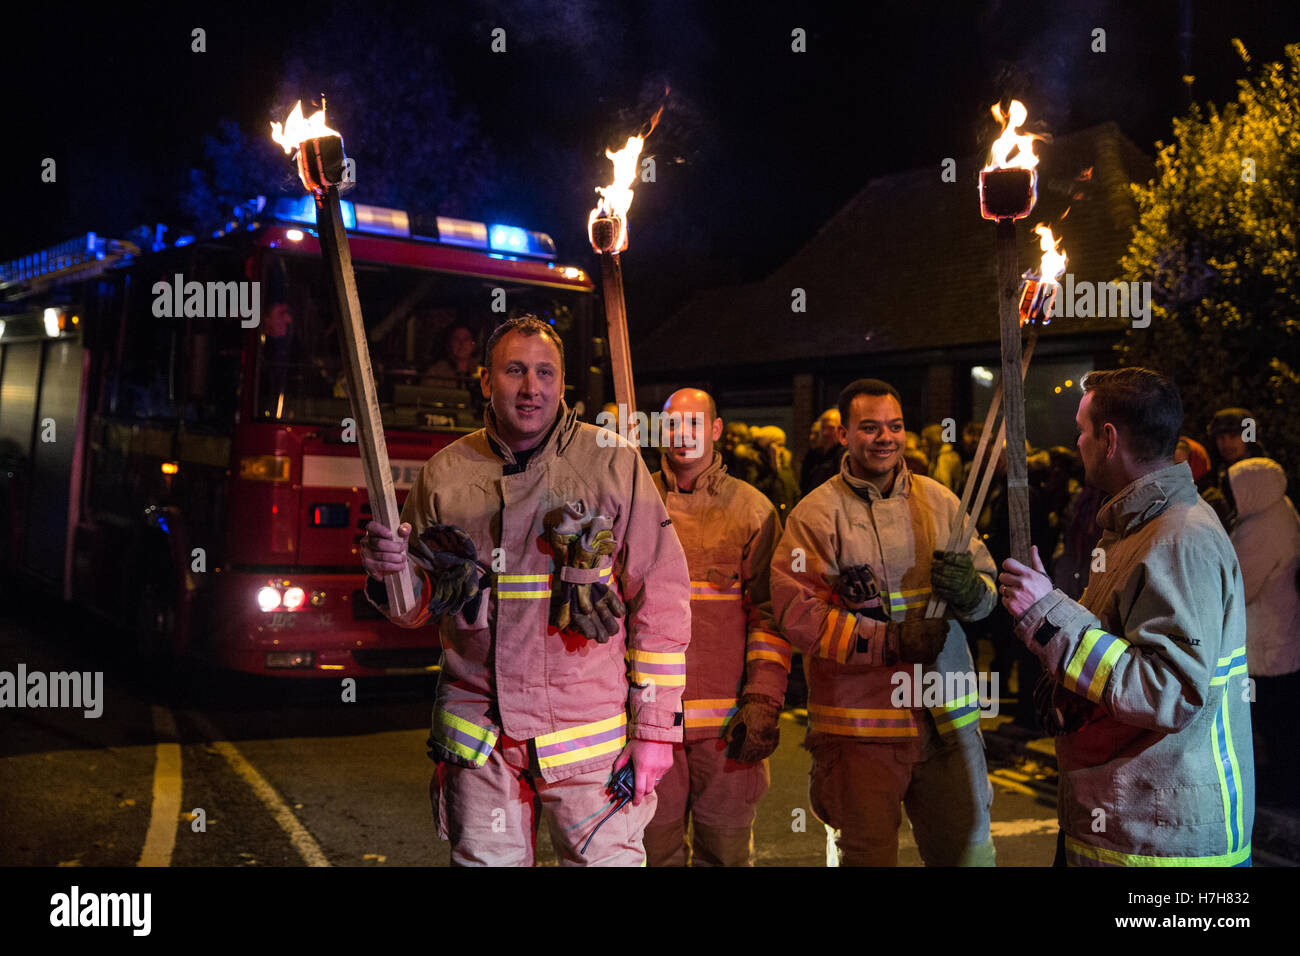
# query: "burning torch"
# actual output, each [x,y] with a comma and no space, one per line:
[320,162]
[607,230]
[1038,291]
[1008,191]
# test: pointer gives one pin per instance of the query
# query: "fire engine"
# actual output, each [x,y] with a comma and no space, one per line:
[189,475]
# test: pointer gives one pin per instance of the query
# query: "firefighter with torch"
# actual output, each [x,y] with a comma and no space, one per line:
[861,555]
[565,661]
[545,556]
[1148,695]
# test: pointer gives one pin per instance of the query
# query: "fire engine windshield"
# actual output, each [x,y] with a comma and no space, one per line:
[426,332]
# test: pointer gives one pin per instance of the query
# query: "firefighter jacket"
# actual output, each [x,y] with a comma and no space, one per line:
[847,522]
[728,529]
[1156,767]
[509,669]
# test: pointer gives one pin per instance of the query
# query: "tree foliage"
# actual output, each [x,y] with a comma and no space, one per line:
[1217,240]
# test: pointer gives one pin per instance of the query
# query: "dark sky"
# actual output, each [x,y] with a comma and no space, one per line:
[759,145]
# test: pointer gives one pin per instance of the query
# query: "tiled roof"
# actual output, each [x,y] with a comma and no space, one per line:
[910,264]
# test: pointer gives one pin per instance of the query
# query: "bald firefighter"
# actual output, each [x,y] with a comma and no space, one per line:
[736,664]
[850,582]
[545,555]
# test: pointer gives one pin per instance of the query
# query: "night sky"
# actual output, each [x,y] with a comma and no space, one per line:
[758,145]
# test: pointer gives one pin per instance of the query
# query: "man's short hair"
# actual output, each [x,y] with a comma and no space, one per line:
[864,386]
[1140,402]
[525,324]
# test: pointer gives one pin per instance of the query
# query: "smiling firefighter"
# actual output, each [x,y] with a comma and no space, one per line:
[563,599]
[850,582]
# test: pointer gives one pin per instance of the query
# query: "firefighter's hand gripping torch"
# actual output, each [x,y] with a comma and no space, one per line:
[320,162]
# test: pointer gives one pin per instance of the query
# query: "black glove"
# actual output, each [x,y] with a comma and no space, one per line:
[955,580]
[858,591]
[449,556]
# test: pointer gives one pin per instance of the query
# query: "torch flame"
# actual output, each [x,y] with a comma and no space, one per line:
[1013,149]
[297,129]
[1053,264]
[616,198]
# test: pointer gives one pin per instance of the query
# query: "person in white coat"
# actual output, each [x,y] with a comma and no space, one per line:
[1266,536]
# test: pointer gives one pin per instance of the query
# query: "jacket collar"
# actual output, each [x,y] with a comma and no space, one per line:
[869,492]
[563,431]
[1135,505]
[708,480]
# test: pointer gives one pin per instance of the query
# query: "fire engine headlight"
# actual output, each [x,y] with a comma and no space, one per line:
[268,599]
[294,598]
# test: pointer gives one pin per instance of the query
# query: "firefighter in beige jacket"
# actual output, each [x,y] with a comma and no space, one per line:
[527,715]
[736,665]
[850,582]
[1151,701]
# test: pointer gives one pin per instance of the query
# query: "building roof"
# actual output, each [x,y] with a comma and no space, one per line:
[910,264]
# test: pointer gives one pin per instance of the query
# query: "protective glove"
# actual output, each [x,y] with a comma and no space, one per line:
[594,609]
[589,607]
[448,554]
[562,531]
[858,591]
[754,732]
[916,641]
[955,580]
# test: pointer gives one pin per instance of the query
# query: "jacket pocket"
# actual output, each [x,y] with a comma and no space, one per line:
[1191,806]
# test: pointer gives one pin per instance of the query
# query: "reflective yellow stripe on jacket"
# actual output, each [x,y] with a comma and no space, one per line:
[666,669]
[1093,660]
[515,586]
[1080,854]
[951,717]
[709,714]
[889,722]
[462,737]
[582,742]
[767,646]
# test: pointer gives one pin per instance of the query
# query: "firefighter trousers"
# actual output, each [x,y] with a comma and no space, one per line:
[857,788]
[721,798]
[491,813]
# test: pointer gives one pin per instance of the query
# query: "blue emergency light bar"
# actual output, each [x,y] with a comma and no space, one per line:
[520,242]
[65,255]
[303,210]
[380,220]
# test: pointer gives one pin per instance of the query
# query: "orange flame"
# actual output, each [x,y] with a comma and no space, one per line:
[297,129]
[1053,263]
[616,198]
[1013,149]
